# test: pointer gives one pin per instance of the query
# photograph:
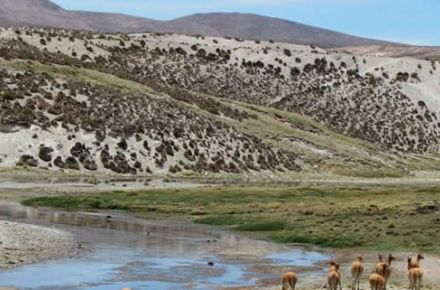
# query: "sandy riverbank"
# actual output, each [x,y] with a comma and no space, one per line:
[22,244]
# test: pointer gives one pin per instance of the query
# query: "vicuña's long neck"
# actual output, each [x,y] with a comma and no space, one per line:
[390,260]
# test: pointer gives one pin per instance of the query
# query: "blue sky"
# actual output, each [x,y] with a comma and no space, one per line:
[410,21]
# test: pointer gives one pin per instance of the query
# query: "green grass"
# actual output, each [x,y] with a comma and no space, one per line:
[335,241]
[380,218]
[79,74]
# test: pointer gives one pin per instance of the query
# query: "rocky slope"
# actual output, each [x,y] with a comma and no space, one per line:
[78,126]
[194,116]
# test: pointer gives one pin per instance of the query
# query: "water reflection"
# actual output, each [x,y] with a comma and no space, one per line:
[123,251]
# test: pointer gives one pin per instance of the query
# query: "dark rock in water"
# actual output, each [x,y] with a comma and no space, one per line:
[211,264]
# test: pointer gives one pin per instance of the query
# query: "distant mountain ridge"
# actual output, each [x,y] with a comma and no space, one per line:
[248,26]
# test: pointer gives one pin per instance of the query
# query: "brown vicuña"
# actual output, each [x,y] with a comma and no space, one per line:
[379,260]
[334,276]
[357,269]
[415,275]
[415,263]
[289,280]
[387,270]
[377,279]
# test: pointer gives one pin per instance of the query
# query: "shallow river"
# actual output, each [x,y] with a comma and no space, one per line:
[123,251]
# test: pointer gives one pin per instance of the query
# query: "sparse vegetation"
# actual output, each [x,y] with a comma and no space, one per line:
[207,78]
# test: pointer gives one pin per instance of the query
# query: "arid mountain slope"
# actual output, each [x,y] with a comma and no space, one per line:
[38,13]
[75,126]
[249,26]
[166,103]
[388,101]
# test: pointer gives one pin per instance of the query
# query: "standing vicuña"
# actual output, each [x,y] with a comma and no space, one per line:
[357,269]
[334,276]
[415,275]
[387,270]
[289,280]
[377,278]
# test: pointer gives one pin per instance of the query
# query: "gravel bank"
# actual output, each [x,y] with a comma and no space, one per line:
[26,244]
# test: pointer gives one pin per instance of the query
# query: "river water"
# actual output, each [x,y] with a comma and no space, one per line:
[123,251]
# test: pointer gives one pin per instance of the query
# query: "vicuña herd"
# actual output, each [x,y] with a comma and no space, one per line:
[378,278]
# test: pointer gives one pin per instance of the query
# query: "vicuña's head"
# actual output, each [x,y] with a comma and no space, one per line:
[360,259]
[380,257]
[391,258]
[409,261]
[334,265]
[420,257]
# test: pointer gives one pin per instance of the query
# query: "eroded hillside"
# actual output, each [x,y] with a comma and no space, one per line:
[157,103]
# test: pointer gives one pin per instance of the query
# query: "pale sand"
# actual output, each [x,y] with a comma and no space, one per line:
[22,244]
